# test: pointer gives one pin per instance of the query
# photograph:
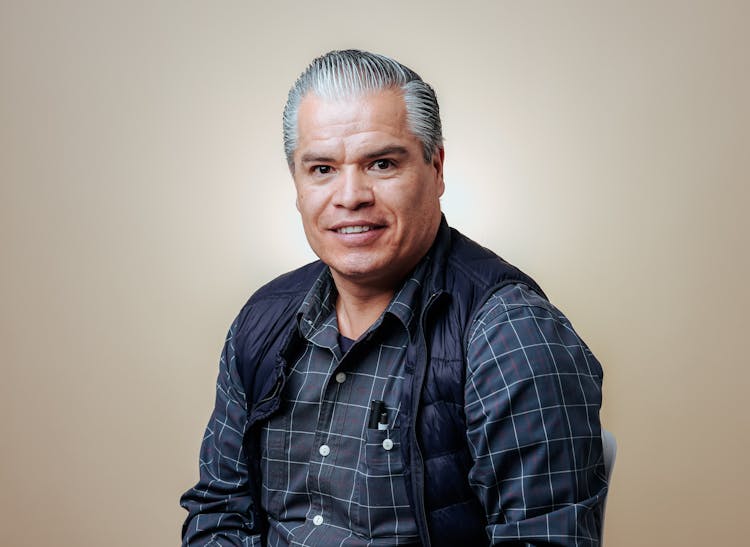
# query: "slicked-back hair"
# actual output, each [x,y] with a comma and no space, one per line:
[354,73]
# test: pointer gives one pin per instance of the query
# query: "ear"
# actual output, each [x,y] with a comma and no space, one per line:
[438,158]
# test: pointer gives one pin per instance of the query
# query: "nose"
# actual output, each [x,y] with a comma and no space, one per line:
[354,190]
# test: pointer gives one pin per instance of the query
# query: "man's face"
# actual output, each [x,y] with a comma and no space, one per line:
[369,203]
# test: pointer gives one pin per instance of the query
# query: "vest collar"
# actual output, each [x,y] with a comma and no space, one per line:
[438,258]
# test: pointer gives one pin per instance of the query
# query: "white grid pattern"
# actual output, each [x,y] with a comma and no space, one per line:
[357,488]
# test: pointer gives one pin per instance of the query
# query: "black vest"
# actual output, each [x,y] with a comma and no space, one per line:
[461,277]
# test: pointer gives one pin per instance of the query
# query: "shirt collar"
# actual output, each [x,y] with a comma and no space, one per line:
[406,303]
[318,309]
[317,314]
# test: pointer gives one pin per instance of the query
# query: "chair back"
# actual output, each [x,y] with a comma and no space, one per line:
[609,450]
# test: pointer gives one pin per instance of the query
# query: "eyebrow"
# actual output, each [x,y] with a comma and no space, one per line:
[309,158]
[394,150]
[387,151]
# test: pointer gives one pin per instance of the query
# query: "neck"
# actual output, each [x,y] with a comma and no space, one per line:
[358,307]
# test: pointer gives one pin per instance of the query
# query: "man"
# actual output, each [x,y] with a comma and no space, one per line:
[410,388]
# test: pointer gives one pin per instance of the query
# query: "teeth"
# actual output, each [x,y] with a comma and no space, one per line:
[353,229]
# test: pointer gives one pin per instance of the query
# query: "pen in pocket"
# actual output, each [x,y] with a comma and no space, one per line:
[378,418]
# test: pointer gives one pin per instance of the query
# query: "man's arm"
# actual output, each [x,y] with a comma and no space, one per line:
[220,509]
[532,398]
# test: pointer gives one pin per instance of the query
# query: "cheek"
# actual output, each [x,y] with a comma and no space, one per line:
[311,209]
[420,198]
[305,203]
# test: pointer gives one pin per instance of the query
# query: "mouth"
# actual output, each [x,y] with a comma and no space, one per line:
[354,229]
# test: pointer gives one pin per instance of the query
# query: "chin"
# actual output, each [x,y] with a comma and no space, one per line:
[359,270]
[354,272]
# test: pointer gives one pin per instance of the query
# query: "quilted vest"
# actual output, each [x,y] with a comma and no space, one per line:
[434,446]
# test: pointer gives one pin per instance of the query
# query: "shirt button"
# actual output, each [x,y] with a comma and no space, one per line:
[387,444]
[318,520]
[324,451]
[341,377]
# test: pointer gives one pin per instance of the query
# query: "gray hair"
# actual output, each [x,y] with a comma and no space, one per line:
[352,73]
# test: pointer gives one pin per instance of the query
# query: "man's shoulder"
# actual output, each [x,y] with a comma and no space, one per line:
[473,259]
[482,267]
[290,284]
[514,297]
[281,295]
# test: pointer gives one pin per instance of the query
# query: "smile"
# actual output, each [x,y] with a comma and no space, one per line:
[354,229]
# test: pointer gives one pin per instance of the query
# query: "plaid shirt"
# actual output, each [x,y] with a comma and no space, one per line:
[328,479]
[532,397]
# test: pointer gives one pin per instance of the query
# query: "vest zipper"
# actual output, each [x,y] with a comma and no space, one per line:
[416,398]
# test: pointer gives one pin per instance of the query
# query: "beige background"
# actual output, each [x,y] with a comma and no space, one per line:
[603,147]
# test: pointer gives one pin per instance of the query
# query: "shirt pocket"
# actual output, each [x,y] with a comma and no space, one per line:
[384,509]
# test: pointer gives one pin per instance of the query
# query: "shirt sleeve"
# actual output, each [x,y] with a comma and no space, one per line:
[220,509]
[532,399]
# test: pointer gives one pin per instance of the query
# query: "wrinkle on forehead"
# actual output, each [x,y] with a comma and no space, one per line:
[352,127]
[386,108]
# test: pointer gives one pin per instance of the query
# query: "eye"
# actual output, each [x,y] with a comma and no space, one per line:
[382,165]
[321,169]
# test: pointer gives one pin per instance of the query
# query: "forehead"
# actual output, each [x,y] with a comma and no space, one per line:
[373,116]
